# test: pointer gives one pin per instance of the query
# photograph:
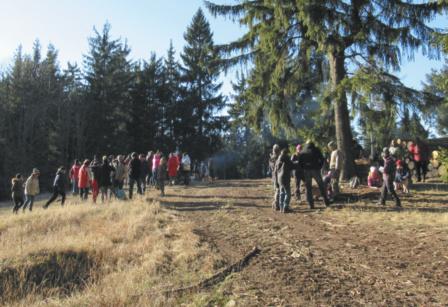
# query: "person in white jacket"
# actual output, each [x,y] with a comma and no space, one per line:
[31,189]
[186,168]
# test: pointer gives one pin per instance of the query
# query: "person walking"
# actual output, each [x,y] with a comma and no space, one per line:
[17,192]
[273,157]
[161,175]
[311,161]
[105,180]
[31,189]
[331,180]
[283,168]
[74,176]
[388,179]
[297,172]
[173,166]
[134,174]
[186,168]
[58,187]
[83,180]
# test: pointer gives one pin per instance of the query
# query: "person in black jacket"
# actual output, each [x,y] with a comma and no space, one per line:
[105,178]
[311,160]
[17,192]
[58,187]
[283,168]
[134,174]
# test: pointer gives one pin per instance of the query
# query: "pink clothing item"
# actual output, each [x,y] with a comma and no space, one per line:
[374,180]
[155,162]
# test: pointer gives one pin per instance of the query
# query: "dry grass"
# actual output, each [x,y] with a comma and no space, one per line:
[130,248]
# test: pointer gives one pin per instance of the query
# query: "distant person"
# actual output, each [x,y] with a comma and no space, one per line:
[83,180]
[312,160]
[144,171]
[134,174]
[161,175]
[273,157]
[211,169]
[331,180]
[388,179]
[420,155]
[155,166]
[173,166]
[31,189]
[120,172]
[95,170]
[283,168]
[297,172]
[17,192]
[74,173]
[149,157]
[374,179]
[401,180]
[58,187]
[186,168]
[105,180]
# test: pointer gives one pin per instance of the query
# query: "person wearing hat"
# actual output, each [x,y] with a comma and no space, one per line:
[331,180]
[58,187]
[297,171]
[31,189]
[83,180]
[388,179]
[17,192]
[272,161]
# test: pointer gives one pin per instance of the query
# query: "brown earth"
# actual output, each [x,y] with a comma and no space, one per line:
[356,253]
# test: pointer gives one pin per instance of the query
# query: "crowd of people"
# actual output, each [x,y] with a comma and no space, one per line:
[392,172]
[107,177]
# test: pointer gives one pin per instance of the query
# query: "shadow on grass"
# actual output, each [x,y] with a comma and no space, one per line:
[378,208]
[204,206]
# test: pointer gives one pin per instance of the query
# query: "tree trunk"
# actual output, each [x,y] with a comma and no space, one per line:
[344,137]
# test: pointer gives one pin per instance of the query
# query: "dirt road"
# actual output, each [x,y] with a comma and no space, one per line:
[351,255]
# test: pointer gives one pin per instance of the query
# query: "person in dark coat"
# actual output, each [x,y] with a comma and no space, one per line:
[388,179]
[283,168]
[58,187]
[298,172]
[272,162]
[17,192]
[311,160]
[105,180]
[134,174]
[161,175]
[144,171]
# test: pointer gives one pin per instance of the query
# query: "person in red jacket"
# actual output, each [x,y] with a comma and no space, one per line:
[74,172]
[420,155]
[83,180]
[173,166]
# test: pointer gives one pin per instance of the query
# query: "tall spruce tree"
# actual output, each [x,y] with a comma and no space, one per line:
[348,33]
[201,123]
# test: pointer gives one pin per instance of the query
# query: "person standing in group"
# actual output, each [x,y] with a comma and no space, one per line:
[105,179]
[58,187]
[420,155]
[83,180]
[173,166]
[95,170]
[74,172]
[298,172]
[283,168]
[211,169]
[272,161]
[149,157]
[31,189]
[401,180]
[331,180]
[144,171]
[134,174]
[161,175]
[186,168]
[311,160]
[17,192]
[120,174]
[155,166]
[388,179]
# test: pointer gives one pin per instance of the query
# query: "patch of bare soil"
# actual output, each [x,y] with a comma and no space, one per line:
[354,254]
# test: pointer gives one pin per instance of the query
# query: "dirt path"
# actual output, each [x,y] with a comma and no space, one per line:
[354,254]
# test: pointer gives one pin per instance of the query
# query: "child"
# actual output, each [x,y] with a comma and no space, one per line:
[161,176]
[401,180]
[374,179]
[17,192]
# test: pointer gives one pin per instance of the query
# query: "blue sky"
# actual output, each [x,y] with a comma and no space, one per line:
[148,25]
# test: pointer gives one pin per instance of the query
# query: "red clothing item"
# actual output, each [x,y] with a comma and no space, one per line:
[173,164]
[83,177]
[374,180]
[74,172]
[414,149]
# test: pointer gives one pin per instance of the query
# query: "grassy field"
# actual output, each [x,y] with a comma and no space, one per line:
[137,253]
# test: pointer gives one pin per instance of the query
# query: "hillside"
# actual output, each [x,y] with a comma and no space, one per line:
[150,251]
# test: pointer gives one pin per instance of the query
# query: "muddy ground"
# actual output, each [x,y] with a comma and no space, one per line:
[354,254]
